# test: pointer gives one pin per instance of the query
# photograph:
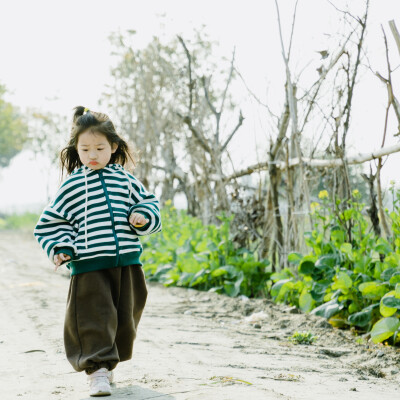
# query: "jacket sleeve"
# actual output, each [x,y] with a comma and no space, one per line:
[55,231]
[145,203]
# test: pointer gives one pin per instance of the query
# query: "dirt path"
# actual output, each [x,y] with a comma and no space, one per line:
[191,345]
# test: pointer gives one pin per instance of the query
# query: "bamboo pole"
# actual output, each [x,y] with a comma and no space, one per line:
[319,163]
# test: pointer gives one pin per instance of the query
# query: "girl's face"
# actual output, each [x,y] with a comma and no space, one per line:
[94,150]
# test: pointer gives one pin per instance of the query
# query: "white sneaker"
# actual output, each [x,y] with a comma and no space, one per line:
[99,383]
[111,376]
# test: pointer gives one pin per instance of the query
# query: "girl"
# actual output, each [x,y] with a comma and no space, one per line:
[92,225]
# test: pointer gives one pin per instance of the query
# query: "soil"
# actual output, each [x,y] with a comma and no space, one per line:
[190,345]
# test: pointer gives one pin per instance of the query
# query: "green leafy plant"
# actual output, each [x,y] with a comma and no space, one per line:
[303,338]
[188,253]
[351,276]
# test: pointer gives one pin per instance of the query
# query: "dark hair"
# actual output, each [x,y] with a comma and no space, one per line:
[96,122]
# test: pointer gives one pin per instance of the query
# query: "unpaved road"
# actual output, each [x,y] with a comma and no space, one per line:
[190,345]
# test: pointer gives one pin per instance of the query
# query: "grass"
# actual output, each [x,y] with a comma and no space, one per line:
[21,222]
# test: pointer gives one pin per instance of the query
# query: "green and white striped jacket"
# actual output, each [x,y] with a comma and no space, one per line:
[89,219]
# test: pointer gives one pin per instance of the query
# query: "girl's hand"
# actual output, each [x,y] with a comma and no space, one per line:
[138,220]
[59,258]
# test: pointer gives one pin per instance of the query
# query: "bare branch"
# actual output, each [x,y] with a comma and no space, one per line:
[280,32]
[198,135]
[319,83]
[283,126]
[291,94]
[395,33]
[363,24]
[241,118]
[389,85]
[319,163]
[291,34]
[392,100]
[344,12]
[191,82]
[255,97]
[228,82]
[206,94]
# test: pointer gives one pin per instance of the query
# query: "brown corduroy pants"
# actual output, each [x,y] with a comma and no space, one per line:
[102,316]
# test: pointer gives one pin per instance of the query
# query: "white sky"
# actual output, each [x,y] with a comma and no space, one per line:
[56,55]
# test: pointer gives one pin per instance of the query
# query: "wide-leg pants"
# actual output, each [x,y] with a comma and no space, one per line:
[102,316]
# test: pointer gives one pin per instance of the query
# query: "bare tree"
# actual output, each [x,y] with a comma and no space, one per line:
[213,146]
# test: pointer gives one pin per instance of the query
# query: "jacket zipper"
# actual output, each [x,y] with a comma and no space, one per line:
[112,216]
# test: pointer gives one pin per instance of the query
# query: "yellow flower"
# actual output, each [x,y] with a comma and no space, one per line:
[356,193]
[323,194]
[168,202]
[314,205]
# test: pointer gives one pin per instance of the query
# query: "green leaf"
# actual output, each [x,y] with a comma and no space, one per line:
[276,287]
[201,257]
[383,247]
[323,272]
[217,289]
[391,302]
[347,248]
[306,267]
[372,290]
[384,329]
[362,318]
[200,277]
[185,278]
[318,290]
[212,246]
[186,248]
[383,309]
[328,309]
[284,274]
[395,278]
[161,271]
[218,272]
[295,258]
[387,274]
[338,236]
[342,281]
[233,288]
[329,260]
[286,287]
[306,302]
[347,214]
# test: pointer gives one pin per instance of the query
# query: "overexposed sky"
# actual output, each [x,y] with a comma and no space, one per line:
[56,55]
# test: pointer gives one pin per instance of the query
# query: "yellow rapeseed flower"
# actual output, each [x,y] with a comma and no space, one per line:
[314,205]
[323,194]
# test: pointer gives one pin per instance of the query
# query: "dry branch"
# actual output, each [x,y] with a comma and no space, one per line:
[318,163]
[395,33]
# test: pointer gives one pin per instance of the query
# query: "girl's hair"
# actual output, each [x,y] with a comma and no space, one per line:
[96,123]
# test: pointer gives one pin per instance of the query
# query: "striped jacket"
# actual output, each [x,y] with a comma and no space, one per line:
[89,219]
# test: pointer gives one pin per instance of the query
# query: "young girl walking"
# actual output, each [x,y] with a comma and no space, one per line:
[92,225]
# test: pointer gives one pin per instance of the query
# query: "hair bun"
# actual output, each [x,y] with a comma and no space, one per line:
[79,110]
